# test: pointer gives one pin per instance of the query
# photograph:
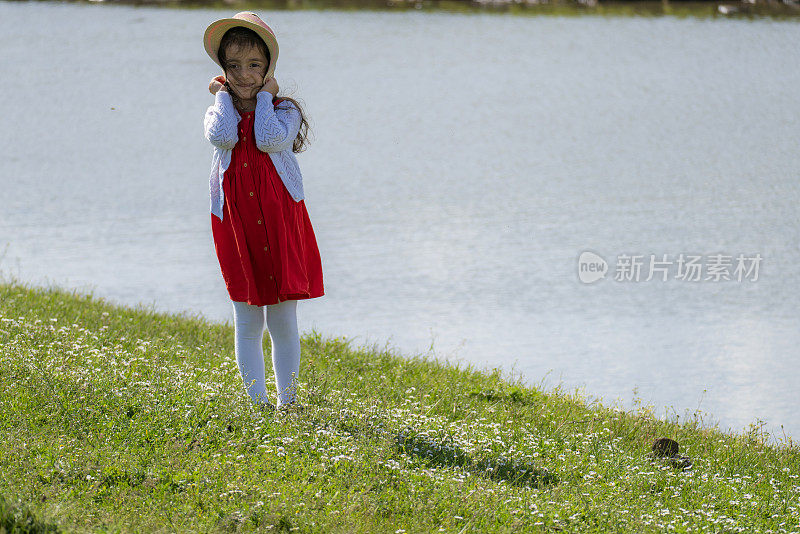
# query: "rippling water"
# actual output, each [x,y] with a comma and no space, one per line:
[461,165]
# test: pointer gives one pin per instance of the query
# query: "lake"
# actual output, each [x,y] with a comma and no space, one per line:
[461,165]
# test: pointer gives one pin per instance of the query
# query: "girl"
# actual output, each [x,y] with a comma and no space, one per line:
[263,237]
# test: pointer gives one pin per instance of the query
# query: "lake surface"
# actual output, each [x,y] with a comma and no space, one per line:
[461,165]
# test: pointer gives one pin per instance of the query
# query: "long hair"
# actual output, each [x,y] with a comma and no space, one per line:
[245,38]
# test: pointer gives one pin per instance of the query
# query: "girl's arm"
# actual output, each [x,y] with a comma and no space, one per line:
[275,128]
[221,122]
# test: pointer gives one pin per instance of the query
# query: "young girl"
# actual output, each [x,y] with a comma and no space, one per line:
[263,237]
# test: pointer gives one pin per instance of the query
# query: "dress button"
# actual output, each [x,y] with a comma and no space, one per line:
[270,277]
[245,164]
[266,249]
[244,138]
[251,193]
[259,221]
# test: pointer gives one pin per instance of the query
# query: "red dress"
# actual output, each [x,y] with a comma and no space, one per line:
[265,244]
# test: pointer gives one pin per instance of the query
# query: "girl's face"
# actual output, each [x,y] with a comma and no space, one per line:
[245,69]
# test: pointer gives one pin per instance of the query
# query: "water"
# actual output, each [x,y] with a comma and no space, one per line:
[461,164]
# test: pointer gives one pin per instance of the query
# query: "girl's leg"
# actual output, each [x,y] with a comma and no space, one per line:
[282,324]
[249,323]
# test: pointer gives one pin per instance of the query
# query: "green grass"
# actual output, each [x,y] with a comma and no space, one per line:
[126,420]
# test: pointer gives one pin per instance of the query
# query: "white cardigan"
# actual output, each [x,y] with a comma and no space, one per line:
[275,127]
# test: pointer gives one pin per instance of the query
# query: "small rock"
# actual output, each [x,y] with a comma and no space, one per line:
[664,447]
[668,449]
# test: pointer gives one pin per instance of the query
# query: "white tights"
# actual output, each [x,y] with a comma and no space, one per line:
[281,321]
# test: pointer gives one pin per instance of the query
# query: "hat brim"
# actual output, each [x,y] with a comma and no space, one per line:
[217,29]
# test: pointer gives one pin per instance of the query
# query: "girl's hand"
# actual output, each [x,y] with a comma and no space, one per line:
[216,84]
[270,86]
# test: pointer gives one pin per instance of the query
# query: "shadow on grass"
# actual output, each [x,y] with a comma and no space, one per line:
[447,454]
[21,520]
[512,395]
[440,453]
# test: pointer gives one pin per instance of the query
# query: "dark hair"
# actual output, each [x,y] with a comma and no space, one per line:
[242,37]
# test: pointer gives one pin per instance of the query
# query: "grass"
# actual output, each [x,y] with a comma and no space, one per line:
[125,420]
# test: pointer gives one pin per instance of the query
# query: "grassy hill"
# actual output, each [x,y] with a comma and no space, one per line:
[126,420]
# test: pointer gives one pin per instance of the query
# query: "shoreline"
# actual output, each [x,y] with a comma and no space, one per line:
[778,9]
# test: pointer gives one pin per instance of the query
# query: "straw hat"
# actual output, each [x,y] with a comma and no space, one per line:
[246,19]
